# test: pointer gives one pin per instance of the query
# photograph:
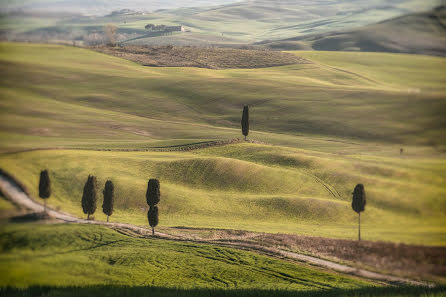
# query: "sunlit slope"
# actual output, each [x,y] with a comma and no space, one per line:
[82,255]
[255,187]
[60,96]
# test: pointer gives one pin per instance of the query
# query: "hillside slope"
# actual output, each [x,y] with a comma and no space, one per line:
[65,96]
[420,33]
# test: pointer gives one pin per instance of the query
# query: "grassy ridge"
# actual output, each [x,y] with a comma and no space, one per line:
[52,91]
[255,187]
[81,255]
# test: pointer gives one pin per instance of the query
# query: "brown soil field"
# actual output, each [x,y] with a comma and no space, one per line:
[212,58]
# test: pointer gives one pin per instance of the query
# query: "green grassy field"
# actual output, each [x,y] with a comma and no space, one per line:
[71,97]
[335,123]
[81,255]
[255,187]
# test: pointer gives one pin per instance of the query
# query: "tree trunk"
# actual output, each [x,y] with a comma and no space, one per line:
[153,231]
[107,218]
[245,137]
[359,226]
[88,216]
[44,205]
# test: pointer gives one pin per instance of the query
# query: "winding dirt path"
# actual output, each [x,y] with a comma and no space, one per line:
[12,191]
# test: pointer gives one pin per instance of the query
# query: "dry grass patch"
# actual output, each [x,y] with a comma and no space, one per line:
[212,58]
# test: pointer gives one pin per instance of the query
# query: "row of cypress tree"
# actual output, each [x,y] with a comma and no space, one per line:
[89,197]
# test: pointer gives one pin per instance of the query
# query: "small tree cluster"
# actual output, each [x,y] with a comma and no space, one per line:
[153,198]
[89,196]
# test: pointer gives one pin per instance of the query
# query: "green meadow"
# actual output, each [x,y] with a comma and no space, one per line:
[329,125]
[81,255]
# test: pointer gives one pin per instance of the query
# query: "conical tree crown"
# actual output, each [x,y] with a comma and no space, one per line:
[359,201]
[152,216]
[109,196]
[245,120]
[153,192]
[89,196]
[44,185]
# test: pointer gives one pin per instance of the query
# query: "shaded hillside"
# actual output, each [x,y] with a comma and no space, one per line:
[420,33]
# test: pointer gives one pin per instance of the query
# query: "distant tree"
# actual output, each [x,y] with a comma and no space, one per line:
[245,121]
[358,204]
[110,35]
[153,192]
[149,26]
[109,197]
[44,187]
[152,216]
[401,151]
[89,196]
[153,198]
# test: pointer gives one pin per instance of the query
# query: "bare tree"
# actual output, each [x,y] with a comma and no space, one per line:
[111,36]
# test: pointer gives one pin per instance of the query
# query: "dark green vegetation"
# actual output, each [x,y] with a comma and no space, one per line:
[89,196]
[358,204]
[153,197]
[109,198]
[422,33]
[89,255]
[245,121]
[44,186]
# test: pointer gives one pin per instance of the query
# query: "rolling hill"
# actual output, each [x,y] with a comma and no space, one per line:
[232,24]
[422,33]
[335,122]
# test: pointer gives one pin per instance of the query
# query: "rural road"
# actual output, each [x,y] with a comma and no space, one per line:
[12,191]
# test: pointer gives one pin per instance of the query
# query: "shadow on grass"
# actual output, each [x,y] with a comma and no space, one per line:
[127,291]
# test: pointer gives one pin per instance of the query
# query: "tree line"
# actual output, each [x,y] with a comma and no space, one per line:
[153,195]
[90,197]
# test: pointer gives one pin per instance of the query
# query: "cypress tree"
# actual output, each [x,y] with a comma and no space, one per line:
[109,197]
[89,196]
[153,198]
[152,216]
[153,192]
[44,187]
[245,121]
[358,204]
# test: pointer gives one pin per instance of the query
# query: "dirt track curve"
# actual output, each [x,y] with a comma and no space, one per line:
[12,191]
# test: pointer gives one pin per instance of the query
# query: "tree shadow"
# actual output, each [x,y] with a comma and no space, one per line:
[141,291]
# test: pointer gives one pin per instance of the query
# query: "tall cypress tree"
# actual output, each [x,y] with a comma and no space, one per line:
[44,187]
[245,121]
[109,197]
[89,196]
[153,192]
[358,204]
[153,196]
[152,216]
